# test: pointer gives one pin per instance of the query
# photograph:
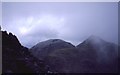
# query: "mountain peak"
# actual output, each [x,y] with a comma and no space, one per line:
[42,49]
[10,40]
[95,39]
[50,41]
[54,40]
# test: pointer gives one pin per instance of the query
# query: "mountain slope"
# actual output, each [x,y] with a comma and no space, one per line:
[94,55]
[17,59]
[43,49]
[104,54]
[64,60]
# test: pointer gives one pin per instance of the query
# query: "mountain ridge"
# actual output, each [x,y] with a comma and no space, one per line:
[17,58]
[94,51]
[93,55]
[49,45]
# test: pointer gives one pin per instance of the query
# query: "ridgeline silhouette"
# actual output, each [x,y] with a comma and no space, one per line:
[93,55]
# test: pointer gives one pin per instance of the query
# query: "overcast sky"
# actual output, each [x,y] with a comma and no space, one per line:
[72,22]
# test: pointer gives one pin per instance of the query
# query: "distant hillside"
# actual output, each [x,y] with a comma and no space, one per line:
[102,55]
[94,55]
[42,49]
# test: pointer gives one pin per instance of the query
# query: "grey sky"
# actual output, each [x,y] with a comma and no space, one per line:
[70,21]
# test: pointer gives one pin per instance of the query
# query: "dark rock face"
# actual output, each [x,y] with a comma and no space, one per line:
[17,59]
[10,40]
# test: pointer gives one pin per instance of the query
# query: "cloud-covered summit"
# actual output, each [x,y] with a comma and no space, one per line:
[73,22]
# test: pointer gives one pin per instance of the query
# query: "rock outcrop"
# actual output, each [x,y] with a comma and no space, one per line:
[18,59]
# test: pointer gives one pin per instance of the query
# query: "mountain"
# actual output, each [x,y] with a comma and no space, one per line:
[65,61]
[103,54]
[18,59]
[43,49]
[94,55]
